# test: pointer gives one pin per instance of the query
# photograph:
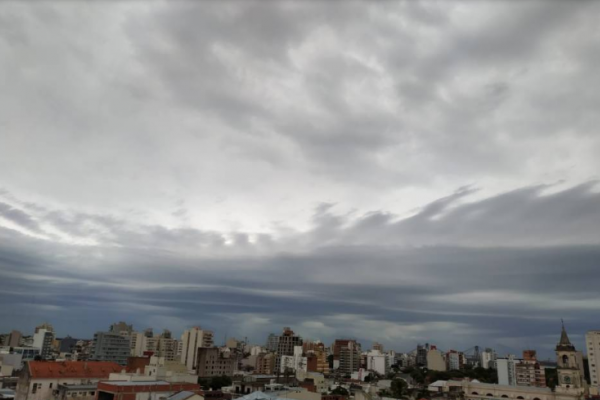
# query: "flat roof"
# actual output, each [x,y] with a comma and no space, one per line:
[138,383]
[78,387]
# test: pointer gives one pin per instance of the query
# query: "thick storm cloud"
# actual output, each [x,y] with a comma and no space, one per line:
[394,171]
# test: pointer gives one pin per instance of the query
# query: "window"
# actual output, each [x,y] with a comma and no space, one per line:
[50,385]
[34,388]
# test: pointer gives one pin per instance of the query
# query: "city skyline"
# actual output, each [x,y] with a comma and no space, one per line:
[399,172]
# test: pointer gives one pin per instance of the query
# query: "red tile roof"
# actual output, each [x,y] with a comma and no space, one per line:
[72,369]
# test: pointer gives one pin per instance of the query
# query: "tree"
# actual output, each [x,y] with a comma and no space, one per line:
[340,391]
[214,383]
[398,387]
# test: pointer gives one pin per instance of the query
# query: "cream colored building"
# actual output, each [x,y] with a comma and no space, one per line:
[487,391]
[193,339]
[435,360]
[592,343]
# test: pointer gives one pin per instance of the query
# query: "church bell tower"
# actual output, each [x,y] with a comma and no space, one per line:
[568,363]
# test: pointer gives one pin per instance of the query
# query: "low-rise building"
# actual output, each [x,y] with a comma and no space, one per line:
[40,380]
[143,390]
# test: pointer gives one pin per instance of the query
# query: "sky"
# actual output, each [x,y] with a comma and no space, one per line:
[401,172]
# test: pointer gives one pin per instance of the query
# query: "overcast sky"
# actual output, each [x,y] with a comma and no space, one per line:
[393,171]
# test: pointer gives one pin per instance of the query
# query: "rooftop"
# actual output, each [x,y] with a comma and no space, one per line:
[72,369]
[136,383]
[181,395]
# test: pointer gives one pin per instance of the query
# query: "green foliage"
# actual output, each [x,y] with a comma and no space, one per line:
[340,391]
[215,383]
[551,378]
[398,387]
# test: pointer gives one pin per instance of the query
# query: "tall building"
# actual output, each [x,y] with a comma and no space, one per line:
[193,339]
[507,371]
[121,328]
[295,362]
[377,361]
[455,360]
[316,357]
[435,360]
[265,363]
[14,339]
[487,358]
[45,326]
[421,356]
[43,340]
[215,361]
[337,348]
[529,372]
[287,341]
[592,343]
[286,344]
[272,342]
[349,358]
[110,346]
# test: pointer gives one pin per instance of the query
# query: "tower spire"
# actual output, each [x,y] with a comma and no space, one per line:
[564,342]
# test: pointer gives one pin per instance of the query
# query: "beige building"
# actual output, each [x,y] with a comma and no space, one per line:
[192,340]
[215,361]
[592,343]
[265,363]
[435,360]
[485,391]
[529,372]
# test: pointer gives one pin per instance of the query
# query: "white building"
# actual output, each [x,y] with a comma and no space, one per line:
[295,363]
[42,339]
[487,358]
[193,339]
[377,362]
[592,342]
[506,368]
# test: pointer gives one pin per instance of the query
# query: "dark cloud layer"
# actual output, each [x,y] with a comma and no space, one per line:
[395,171]
[478,268]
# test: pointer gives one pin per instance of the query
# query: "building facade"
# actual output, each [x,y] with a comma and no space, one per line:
[349,357]
[436,360]
[41,380]
[592,343]
[192,340]
[529,372]
[215,361]
[43,340]
[110,346]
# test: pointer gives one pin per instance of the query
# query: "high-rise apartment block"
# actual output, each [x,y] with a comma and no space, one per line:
[349,357]
[43,340]
[529,372]
[215,361]
[592,343]
[192,340]
[110,346]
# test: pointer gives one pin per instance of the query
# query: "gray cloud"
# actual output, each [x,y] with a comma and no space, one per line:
[246,166]
[478,268]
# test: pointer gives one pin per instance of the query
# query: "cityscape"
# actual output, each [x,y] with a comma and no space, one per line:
[121,362]
[300,200]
